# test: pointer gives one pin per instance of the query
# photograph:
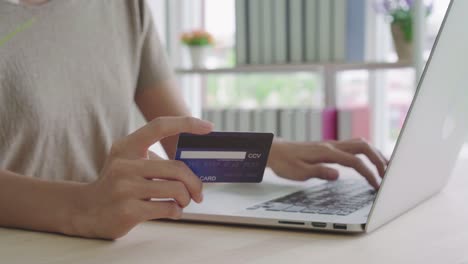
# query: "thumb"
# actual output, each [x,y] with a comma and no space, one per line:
[139,141]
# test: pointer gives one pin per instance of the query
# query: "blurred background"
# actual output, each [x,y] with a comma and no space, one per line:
[303,69]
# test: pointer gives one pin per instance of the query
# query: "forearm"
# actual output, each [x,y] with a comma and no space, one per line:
[37,204]
[162,100]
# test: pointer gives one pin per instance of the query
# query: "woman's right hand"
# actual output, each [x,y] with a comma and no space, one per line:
[121,198]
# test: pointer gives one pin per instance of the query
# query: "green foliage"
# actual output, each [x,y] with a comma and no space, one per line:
[202,41]
[263,90]
[404,20]
[197,38]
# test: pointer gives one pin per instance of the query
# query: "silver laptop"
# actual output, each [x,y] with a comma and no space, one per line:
[422,162]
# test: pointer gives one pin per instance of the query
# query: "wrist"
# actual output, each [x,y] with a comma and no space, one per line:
[274,151]
[77,216]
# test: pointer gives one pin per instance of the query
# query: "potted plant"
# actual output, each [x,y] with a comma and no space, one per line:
[199,42]
[400,15]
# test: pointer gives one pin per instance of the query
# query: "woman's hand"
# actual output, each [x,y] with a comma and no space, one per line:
[305,160]
[121,197]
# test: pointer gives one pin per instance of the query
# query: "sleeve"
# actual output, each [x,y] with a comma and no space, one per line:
[154,64]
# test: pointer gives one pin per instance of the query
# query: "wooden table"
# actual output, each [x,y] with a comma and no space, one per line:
[434,232]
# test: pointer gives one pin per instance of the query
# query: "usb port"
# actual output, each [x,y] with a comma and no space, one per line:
[340,226]
[319,224]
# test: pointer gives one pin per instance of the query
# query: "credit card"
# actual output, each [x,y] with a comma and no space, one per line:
[225,156]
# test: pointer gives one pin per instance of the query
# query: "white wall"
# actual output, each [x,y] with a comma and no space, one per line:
[158,7]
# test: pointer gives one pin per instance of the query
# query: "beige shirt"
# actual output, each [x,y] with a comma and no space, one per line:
[69,70]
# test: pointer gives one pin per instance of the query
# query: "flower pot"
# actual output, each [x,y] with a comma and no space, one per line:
[404,49]
[198,56]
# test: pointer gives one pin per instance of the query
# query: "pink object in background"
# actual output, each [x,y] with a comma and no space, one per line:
[354,123]
[329,125]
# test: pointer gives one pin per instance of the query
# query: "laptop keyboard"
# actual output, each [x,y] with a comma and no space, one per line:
[342,197]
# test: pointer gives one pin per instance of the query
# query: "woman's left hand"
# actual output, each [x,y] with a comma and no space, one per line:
[301,161]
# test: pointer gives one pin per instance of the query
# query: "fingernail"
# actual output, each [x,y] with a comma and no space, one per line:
[207,124]
[377,186]
[332,175]
[200,198]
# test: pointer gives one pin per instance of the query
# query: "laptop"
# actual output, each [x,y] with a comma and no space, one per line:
[424,157]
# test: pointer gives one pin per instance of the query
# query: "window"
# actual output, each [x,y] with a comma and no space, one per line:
[219,19]
[398,84]
[263,90]
[355,88]
[250,90]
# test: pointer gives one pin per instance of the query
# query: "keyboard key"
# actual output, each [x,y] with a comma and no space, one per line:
[327,212]
[277,206]
[294,209]
[310,211]
[341,213]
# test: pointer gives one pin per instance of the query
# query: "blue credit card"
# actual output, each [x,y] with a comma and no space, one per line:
[225,156]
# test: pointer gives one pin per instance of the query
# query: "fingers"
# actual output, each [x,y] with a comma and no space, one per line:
[135,144]
[166,189]
[171,170]
[360,146]
[318,171]
[345,159]
[160,210]
[387,161]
